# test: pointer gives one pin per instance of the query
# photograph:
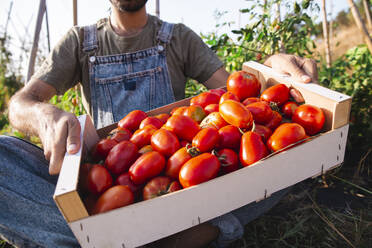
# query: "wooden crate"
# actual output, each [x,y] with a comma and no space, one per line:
[146,221]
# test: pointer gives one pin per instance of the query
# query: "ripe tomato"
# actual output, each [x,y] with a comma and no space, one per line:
[252,148]
[159,186]
[99,179]
[165,142]
[132,120]
[124,179]
[151,121]
[285,135]
[218,91]
[309,117]
[229,137]
[211,108]
[275,121]
[199,169]
[261,111]
[162,117]
[115,197]
[229,160]
[263,131]
[243,84]
[215,120]
[83,176]
[120,134]
[278,93]
[183,126]
[235,113]
[121,157]
[183,143]
[289,108]
[146,167]
[204,99]
[178,110]
[206,139]
[250,100]
[144,149]
[102,148]
[142,137]
[89,201]
[195,112]
[229,96]
[177,160]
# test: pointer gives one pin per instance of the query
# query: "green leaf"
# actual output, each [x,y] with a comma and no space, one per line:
[297,8]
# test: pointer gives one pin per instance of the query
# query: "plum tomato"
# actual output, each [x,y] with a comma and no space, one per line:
[261,112]
[142,137]
[102,148]
[147,166]
[132,120]
[151,121]
[229,160]
[115,197]
[165,142]
[289,108]
[176,161]
[206,139]
[235,113]
[285,135]
[195,112]
[218,91]
[215,120]
[204,99]
[144,149]
[178,110]
[211,108]
[229,96]
[243,84]
[120,134]
[278,94]
[250,100]
[83,176]
[252,148]
[199,169]
[159,186]
[263,131]
[183,126]
[121,157]
[275,120]
[162,117]
[229,137]
[99,179]
[309,117]
[124,179]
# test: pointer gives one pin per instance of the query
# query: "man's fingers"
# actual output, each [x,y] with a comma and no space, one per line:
[58,149]
[293,67]
[73,136]
[310,69]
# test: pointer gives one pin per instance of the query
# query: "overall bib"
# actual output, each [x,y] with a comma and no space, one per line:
[125,82]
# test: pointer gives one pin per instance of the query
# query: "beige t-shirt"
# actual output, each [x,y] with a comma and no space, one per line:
[187,56]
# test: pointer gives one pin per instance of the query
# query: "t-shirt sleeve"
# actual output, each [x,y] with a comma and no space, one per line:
[61,68]
[200,62]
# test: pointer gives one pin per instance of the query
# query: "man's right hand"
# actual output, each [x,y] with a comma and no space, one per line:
[30,112]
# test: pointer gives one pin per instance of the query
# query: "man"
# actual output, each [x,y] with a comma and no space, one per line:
[130,61]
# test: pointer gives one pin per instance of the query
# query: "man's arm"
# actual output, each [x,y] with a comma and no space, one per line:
[30,112]
[218,79]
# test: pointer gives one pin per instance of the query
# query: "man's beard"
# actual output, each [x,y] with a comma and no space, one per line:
[128,5]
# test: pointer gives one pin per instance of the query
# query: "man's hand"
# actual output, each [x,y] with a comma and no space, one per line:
[30,113]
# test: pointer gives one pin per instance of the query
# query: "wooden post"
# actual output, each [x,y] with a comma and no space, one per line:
[362,27]
[368,14]
[75,12]
[47,27]
[39,21]
[325,35]
[157,8]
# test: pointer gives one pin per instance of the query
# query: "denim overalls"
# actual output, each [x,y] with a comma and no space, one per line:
[125,82]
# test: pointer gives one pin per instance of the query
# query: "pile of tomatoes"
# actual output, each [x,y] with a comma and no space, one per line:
[218,133]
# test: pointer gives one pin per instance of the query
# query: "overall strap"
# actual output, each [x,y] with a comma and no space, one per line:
[90,42]
[165,32]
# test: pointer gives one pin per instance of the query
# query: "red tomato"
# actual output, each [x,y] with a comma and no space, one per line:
[213,120]
[120,134]
[132,120]
[159,186]
[261,112]
[263,131]
[289,108]
[177,160]
[199,169]
[178,110]
[195,112]
[183,126]
[142,137]
[89,202]
[285,135]
[229,137]
[211,108]
[144,149]
[278,94]
[162,117]
[250,100]
[235,113]
[165,142]
[124,179]
[206,139]
[252,148]
[309,117]
[229,96]
[151,121]
[204,99]
[102,148]
[218,91]
[146,167]
[243,84]
[121,157]
[183,143]
[83,176]
[275,121]
[229,160]
[115,197]
[99,179]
